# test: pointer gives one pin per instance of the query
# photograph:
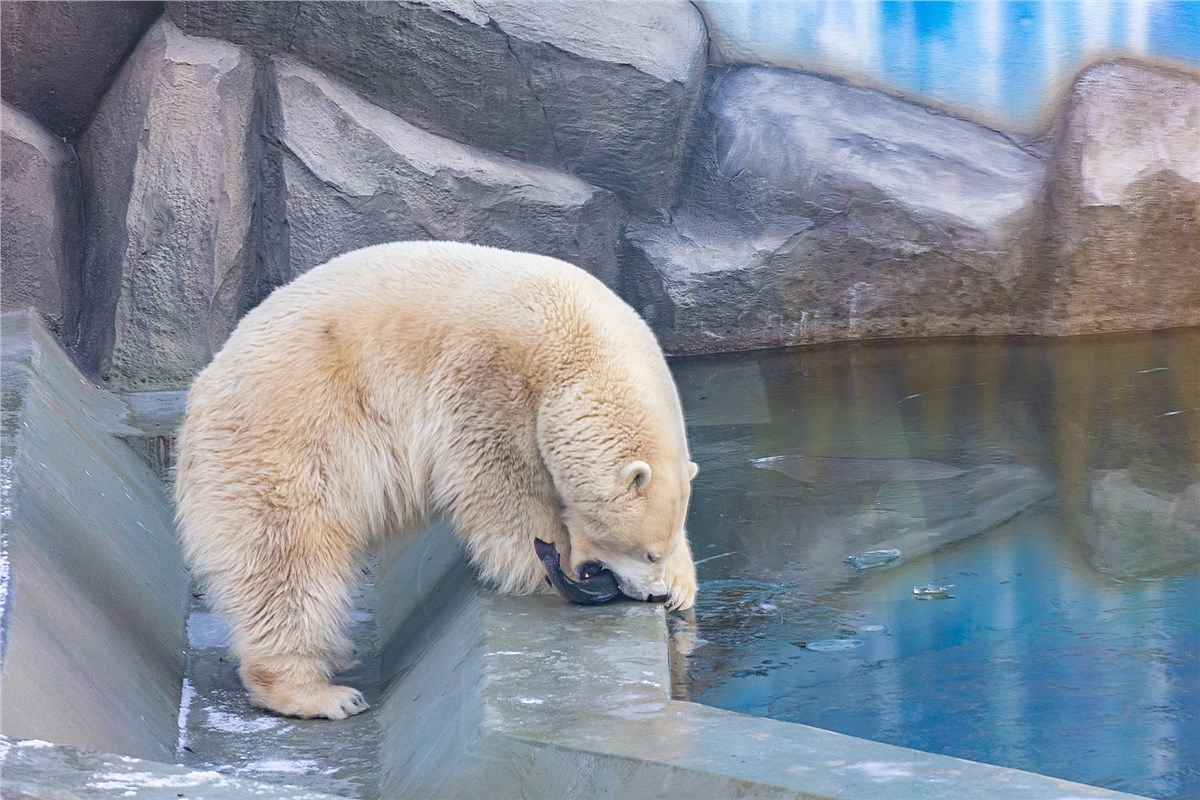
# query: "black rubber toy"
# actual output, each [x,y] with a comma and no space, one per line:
[596,584]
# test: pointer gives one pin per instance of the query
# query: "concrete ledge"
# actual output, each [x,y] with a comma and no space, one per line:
[531,697]
[577,702]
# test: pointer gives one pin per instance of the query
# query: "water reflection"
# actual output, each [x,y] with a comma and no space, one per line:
[1054,485]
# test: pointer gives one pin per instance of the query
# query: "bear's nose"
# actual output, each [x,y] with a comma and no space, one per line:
[589,569]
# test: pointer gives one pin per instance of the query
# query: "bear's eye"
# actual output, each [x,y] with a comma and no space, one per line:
[653,557]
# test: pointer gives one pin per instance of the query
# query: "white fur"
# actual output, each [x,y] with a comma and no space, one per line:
[511,392]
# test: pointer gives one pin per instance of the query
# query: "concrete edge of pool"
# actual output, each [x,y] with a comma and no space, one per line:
[479,694]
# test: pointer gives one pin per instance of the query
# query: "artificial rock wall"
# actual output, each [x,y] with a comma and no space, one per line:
[214,151]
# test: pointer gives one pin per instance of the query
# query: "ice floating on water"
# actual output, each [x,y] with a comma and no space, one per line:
[818,469]
[833,645]
[932,591]
[873,559]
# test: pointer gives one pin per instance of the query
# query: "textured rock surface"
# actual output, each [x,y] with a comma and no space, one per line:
[603,94]
[350,174]
[786,209]
[1124,226]
[168,168]
[40,223]
[817,211]
[58,58]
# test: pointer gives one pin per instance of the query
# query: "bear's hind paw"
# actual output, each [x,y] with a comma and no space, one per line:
[345,703]
[329,700]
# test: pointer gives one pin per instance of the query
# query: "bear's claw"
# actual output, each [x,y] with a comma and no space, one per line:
[599,587]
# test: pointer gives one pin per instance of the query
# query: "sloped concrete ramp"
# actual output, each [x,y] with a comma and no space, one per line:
[94,595]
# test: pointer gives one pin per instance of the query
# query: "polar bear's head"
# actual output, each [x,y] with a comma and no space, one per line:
[617,455]
[629,521]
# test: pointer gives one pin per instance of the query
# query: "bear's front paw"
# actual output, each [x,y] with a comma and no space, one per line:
[681,580]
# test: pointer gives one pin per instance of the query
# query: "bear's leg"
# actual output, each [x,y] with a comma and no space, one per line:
[288,597]
[298,686]
[681,578]
[499,519]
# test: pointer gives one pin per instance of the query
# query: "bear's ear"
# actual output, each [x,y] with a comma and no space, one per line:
[693,468]
[635,475]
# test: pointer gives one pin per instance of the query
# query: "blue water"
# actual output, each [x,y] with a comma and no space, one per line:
[1052,486]
[1004,58]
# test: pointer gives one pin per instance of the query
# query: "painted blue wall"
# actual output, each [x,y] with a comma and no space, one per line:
[1002,59]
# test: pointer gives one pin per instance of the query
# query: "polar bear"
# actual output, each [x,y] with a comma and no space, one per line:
[511,393]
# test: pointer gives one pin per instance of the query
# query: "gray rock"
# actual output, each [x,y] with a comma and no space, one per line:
[816,211]
[604,94]
[351,174]
[168,168]
[1125,203]
[59,57]
[40,223]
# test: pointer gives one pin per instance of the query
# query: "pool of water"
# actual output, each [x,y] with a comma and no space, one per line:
[1044,494]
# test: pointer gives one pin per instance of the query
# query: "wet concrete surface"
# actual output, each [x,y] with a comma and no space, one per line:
[220,730]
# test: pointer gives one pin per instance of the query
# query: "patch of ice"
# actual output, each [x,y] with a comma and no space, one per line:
[883,770]
[530,701]
[302,766]
[6,467]
[833,645]
[931,591]
[233,723]
[873,559]
[186,695]
[6,486]
[35,743]
[150,780]
[207,630]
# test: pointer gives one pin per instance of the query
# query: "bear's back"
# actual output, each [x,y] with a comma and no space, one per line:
[414,295]
[399,319]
